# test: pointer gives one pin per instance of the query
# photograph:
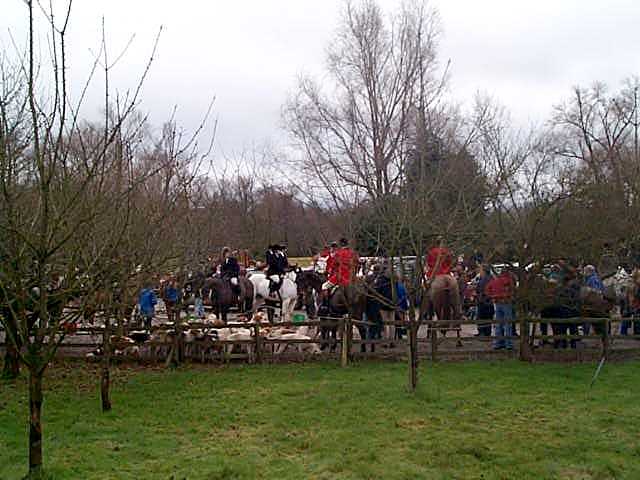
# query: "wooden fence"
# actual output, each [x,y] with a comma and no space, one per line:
[436,345]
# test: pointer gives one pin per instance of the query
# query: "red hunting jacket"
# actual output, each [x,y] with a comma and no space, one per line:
[439,260]
[342,266]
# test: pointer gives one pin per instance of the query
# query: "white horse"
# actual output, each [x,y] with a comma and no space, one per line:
[288,293]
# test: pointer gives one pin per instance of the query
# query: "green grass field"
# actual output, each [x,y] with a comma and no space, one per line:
[467,421]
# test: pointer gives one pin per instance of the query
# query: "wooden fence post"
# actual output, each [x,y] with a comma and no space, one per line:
[434,341]
[413,355]
[525,351]
[346,344]
[258,353]
[349,337]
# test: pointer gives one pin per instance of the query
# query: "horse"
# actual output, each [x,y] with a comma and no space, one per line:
[246,296]
[380,308]
[594,304]
[309,285]
[218,293]
[442,298]
[346,300]
[288,293]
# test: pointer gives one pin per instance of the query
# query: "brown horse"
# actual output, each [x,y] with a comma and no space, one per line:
[218,293]
[443,300]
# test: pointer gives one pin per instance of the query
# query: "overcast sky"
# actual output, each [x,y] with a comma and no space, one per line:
[248,53]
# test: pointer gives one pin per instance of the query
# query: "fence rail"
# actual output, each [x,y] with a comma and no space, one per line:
[342,344]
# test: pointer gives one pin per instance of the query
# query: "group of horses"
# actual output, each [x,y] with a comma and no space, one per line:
[561,302]
[250,294]
[369,298]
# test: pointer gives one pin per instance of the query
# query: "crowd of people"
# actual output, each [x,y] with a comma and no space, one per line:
[481,291]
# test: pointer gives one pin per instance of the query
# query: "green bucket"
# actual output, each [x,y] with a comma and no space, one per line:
[299,317]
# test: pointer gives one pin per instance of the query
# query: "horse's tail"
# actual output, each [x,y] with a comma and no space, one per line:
[443,303]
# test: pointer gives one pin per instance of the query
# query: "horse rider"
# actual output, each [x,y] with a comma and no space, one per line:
[438,273]
[230,269]
[326,258]
[340,271]
[277,265]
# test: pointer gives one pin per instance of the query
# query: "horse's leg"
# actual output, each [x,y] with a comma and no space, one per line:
[334,336]
[248,306]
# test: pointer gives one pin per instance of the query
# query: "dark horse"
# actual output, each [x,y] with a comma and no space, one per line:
[379,299]
[344,300]
[309,285]
[569,301]
[219,293]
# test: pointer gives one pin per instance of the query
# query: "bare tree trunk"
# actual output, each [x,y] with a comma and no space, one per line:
[35,424]
[105,377]
[11,369]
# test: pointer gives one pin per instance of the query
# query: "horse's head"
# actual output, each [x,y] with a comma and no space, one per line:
[291,275]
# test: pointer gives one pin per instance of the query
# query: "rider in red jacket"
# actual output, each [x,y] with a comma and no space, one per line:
[439,261]
[344,265]
[438,275]
[330,255]
[341,269]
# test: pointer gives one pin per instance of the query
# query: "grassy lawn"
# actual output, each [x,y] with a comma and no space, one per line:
[469,420]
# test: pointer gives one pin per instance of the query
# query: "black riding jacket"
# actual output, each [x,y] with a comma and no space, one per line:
[277,262]
[230,268]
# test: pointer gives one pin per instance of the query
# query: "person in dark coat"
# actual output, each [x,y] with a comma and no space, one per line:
[484,305]
[277,264]
[230,269]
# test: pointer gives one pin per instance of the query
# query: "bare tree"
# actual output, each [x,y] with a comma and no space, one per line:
[54,196]
[352,133]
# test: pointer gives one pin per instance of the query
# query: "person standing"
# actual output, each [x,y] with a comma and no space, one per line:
[594,285]
[170,297]
[484,304]
[147,303]
[501,290]
[592,280]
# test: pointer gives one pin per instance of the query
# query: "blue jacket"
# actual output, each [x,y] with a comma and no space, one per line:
[593,281]
[403,299]
[147,301]
[171,294]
